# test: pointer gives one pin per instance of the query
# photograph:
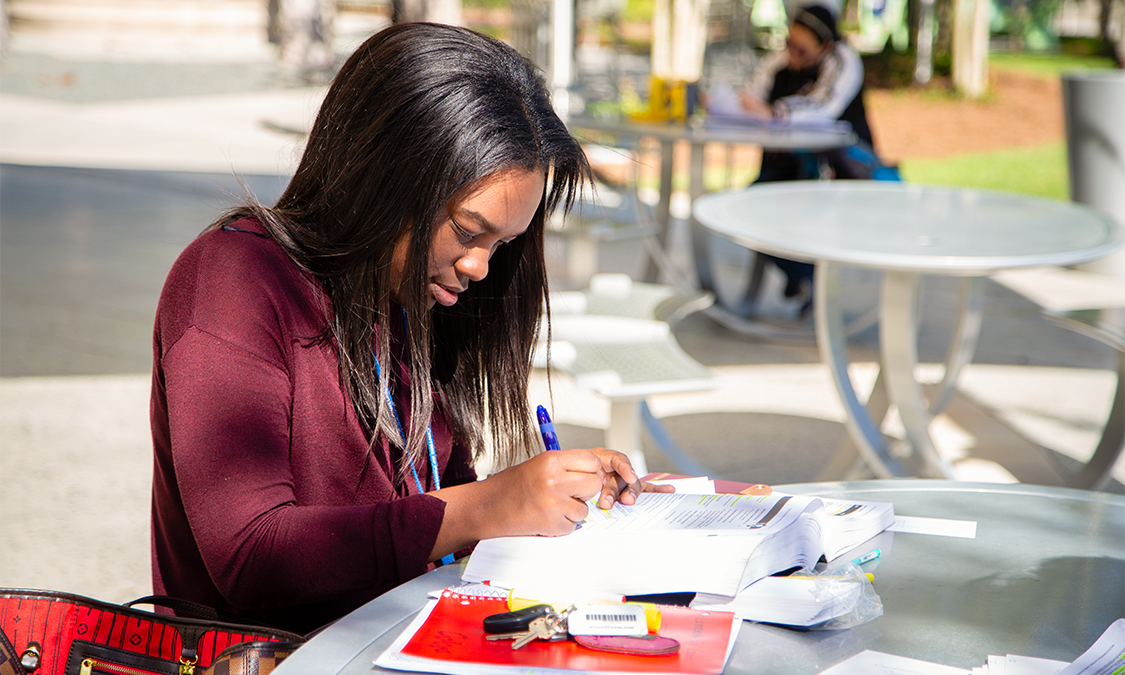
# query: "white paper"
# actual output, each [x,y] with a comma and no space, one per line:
[876,663]
[997,665]
[966,529]
[786,600]
[722,99]
[478,590]
[1030,665]
[1105,657]
[700,485]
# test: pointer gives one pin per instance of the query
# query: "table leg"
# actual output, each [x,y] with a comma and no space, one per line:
[1097,472]
[663,209]
[899,357]
[700,236]
[757,275]
[963,343]
[832,340]
[624,432]
[846,463]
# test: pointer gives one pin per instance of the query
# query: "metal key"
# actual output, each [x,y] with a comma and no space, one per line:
[540,629]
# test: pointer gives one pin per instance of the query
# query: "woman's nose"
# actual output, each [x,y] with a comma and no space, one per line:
[474,264]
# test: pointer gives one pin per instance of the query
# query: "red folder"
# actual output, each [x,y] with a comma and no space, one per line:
[454,632]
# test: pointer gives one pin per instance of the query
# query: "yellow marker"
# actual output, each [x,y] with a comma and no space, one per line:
[652,612]
[869,575]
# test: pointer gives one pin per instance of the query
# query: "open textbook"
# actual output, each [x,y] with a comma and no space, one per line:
[666,543]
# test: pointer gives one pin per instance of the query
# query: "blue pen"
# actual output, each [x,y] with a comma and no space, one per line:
[550,440]
[867,557]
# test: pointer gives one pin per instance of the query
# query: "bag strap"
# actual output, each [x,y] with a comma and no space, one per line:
[9,660]
[185,608]
[194,610]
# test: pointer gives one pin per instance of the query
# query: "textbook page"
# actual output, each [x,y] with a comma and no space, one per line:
[664,543]
[850,523]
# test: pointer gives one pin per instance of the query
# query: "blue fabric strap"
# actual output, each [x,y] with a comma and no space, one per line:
[429,438]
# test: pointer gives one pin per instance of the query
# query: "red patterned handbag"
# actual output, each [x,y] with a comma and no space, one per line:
[54,633]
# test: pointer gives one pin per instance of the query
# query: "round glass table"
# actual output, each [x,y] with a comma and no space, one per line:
[768,137]
[1042,577]
[906,231]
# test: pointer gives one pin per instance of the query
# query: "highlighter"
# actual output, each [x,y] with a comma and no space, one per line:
[652,612]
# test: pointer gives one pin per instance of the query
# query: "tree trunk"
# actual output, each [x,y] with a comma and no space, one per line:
[679,37]
[434,11]
[304,34]
[924,51]
[970,47]
[5,29]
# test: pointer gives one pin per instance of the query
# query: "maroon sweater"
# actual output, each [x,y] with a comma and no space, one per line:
[267,502]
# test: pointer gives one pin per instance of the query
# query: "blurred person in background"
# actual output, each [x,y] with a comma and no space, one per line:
[816,79]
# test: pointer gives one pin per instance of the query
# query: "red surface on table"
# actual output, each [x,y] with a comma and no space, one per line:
[454,631]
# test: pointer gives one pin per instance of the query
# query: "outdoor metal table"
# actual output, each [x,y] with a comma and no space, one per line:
[906,231]
[775,138]
[1043,577]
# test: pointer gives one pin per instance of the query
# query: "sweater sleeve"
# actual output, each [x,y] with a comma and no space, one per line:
[838,81]
[229,422]
[761,78]
[275,495]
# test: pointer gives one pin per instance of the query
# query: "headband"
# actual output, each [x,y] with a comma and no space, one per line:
[810,21]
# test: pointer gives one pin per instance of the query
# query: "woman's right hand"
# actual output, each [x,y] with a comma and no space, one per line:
[545,495]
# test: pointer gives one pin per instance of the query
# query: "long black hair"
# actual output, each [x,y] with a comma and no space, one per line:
[416,119]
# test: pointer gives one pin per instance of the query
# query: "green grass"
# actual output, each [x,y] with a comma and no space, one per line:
[1039,171]
[1047,65]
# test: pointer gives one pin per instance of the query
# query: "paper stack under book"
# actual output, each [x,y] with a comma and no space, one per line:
[717,545]
[1105,657]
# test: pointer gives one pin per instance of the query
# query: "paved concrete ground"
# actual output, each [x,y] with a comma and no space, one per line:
[103,181]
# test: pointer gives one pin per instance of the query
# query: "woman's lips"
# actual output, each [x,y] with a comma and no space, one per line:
[443,295]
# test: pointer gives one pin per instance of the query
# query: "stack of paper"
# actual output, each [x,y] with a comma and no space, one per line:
[877,663]
[849,524]
[1012,664]
[786,600]
[1105,657]
[665,543]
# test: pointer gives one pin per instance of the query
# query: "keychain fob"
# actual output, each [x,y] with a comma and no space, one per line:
[514,622]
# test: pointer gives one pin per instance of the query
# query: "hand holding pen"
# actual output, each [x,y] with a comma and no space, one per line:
[550,440]
[621,483]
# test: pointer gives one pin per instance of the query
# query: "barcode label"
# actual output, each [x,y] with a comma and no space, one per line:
[610,618]
[604,620]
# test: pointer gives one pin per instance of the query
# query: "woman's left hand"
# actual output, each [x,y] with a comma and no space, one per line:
[756,107]
[621,482]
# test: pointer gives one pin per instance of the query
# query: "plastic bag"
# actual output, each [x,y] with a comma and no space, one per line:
[838,583]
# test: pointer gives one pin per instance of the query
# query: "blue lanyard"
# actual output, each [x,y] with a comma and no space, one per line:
[429,438]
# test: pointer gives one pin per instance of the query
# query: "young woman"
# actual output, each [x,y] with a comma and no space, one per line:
[327,370]
[817,77]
